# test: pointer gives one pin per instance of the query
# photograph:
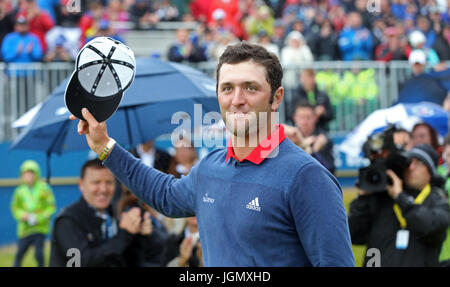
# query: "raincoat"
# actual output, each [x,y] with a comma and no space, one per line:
[37,200]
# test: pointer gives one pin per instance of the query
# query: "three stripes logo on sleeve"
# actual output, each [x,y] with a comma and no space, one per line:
[254,205]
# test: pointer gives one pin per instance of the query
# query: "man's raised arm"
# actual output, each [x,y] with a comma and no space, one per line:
[170,196]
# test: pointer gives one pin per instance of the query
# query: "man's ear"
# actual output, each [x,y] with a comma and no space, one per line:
[277,98]
[80,185]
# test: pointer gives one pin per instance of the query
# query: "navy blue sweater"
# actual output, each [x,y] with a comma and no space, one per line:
[286,211]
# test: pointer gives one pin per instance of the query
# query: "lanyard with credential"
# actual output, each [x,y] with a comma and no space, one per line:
[418,200]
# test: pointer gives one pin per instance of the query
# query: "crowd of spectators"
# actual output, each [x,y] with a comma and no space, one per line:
[304,31]
[296,30]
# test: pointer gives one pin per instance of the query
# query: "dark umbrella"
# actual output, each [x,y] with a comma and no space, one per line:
[432,87]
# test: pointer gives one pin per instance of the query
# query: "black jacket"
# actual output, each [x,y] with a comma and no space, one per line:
[325,48]
[145,251]
[442,48]
[77,226]
[196,55]
[162,160]
[372,222]
[325,155]
[6,27]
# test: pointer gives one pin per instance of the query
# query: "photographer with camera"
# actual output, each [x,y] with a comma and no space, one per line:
[407,221]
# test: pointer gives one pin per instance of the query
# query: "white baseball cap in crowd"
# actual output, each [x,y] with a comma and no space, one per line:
[417,56]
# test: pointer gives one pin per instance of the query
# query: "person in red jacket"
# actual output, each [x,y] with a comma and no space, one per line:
[226,15]
[393,48]
[40,21]
[91,19]
[200,9]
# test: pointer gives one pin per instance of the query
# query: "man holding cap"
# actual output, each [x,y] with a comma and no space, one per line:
[408,222]
[262,201]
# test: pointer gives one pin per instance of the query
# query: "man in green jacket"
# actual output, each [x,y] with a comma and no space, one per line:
[32,206]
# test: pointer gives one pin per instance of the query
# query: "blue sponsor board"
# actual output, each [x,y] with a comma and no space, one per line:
[343,161]
[346,165]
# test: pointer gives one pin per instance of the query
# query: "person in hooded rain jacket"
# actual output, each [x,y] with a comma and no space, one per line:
[32,206]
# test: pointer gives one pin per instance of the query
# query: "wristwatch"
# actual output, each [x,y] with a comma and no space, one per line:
[104,154]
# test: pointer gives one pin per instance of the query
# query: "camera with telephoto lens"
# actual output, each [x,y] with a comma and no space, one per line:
[384,154]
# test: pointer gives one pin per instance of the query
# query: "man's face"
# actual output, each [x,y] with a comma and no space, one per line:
[97,187]
[307,81]
[295,43]
[418,68]
[361,5]
[97,10]
[421,135]
[305,119]
[182,36]
[417,175]
[354,20]
[423,24]
[22,28]
[279,31]
[244,98]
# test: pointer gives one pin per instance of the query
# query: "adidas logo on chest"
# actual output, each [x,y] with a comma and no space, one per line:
[254,205]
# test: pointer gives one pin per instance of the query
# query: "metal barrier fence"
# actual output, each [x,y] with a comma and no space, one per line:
[355,88]
[22,86]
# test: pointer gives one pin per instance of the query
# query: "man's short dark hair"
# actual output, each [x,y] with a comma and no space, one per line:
[309,72]
[243,51]
[303,104]
[93,163]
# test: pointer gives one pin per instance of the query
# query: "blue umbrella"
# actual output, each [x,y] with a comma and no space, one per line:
[160,89]
[430,87]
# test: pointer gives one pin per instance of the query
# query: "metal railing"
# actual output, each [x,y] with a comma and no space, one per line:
[22,86]
[355,88]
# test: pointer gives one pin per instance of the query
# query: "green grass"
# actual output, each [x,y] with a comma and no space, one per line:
[359,251]
[7,253]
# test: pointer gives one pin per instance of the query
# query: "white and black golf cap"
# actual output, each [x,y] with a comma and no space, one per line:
[104,69]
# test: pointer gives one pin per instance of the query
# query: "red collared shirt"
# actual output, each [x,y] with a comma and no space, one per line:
[262,150]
